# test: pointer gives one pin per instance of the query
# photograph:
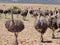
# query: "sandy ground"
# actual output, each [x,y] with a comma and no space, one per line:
[43,6]
[29,36]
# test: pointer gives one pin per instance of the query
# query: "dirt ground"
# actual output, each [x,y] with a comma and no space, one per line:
[28,36]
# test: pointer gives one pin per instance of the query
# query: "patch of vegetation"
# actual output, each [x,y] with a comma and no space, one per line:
[15,8]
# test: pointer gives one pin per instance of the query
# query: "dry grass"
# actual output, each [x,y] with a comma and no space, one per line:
[29,36]
[43,6]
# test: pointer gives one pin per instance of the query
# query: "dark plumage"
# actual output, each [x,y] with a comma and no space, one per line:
[46,12]
[31,11]
[18,25]
[35,13]
[7,12]
[51,12]
[1,11]
[24,13]
[16,12]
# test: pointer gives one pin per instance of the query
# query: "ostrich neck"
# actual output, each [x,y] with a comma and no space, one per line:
[12,18]
[49,16]
[38,18]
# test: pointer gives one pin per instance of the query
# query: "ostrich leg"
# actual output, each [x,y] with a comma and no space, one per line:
[5,16]
[53,36]
[0,14]
[41,37]
[16,41]
[24,18]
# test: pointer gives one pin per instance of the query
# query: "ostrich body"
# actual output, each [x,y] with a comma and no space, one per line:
[31,11]
[14,26]
[24,13]
[41,25]
[51,12]
[35,13]
[6,12]
[1,11]
[46,12]
[16,12]
[54,22]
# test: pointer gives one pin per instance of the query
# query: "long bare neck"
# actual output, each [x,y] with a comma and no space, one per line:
[55,12]
[38,17]
[12,17]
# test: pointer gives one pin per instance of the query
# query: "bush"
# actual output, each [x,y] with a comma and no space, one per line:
[15,8]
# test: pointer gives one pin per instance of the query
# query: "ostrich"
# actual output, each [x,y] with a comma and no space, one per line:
[53,23]
[37,11]
[55,11]
[16,12]
[6,11]
[51,12]
[46,12]
[41,25]
[24,14]
[14,26]
[31,11]
[58,20]
[1,11]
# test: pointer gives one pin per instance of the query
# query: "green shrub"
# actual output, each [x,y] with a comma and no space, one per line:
[15,8]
